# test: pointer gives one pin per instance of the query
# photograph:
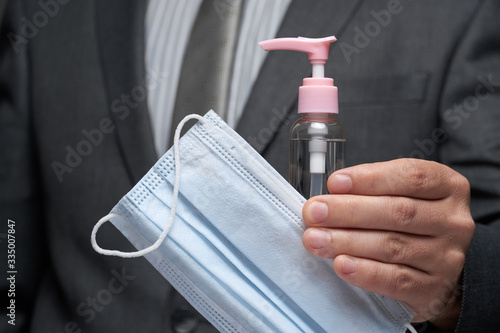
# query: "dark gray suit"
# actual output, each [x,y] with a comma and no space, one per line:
[422,81]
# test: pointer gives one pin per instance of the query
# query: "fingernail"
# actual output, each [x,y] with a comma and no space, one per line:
[349,265]
[318,238]
[340,184]
[318,211]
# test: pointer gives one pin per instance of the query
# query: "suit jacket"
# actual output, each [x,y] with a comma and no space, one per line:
[416,79]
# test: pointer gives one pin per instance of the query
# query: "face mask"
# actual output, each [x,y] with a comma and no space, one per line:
[233,243]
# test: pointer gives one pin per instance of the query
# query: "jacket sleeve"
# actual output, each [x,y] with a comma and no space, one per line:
[470,117]
[21,232]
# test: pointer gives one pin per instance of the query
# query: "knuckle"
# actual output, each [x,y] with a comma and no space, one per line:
[455,258]
[400,282]
[403,210]
[460,186]
[469,226]
[463,225]
[403,282]
[416,173]
[395,247]
[460,182]
[466,225]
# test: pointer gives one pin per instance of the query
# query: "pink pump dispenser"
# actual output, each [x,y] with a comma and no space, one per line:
[317,140]
[318,94]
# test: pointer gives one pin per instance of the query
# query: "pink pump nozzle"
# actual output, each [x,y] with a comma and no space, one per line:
[318,94]
[317,48]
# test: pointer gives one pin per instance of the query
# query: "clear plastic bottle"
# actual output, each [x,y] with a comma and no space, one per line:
[331,143]
[317,140]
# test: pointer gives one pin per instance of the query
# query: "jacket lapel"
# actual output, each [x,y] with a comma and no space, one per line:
[120,28]
[274,95]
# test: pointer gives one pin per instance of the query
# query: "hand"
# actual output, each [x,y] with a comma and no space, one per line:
[399,229]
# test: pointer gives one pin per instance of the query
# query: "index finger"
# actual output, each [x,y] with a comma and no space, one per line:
[403,177]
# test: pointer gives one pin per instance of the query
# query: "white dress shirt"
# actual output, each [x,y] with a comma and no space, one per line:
[168,27]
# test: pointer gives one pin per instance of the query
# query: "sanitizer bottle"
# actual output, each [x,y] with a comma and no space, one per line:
[317,139]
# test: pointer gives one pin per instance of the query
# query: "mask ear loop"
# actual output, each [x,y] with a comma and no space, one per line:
[410,328]
[165,231]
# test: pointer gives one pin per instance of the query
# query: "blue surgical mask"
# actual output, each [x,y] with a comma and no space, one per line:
[233,243]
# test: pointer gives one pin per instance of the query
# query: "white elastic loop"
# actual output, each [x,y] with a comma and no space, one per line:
[165,231]
[410,328]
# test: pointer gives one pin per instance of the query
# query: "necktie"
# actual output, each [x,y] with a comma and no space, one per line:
[206,71]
